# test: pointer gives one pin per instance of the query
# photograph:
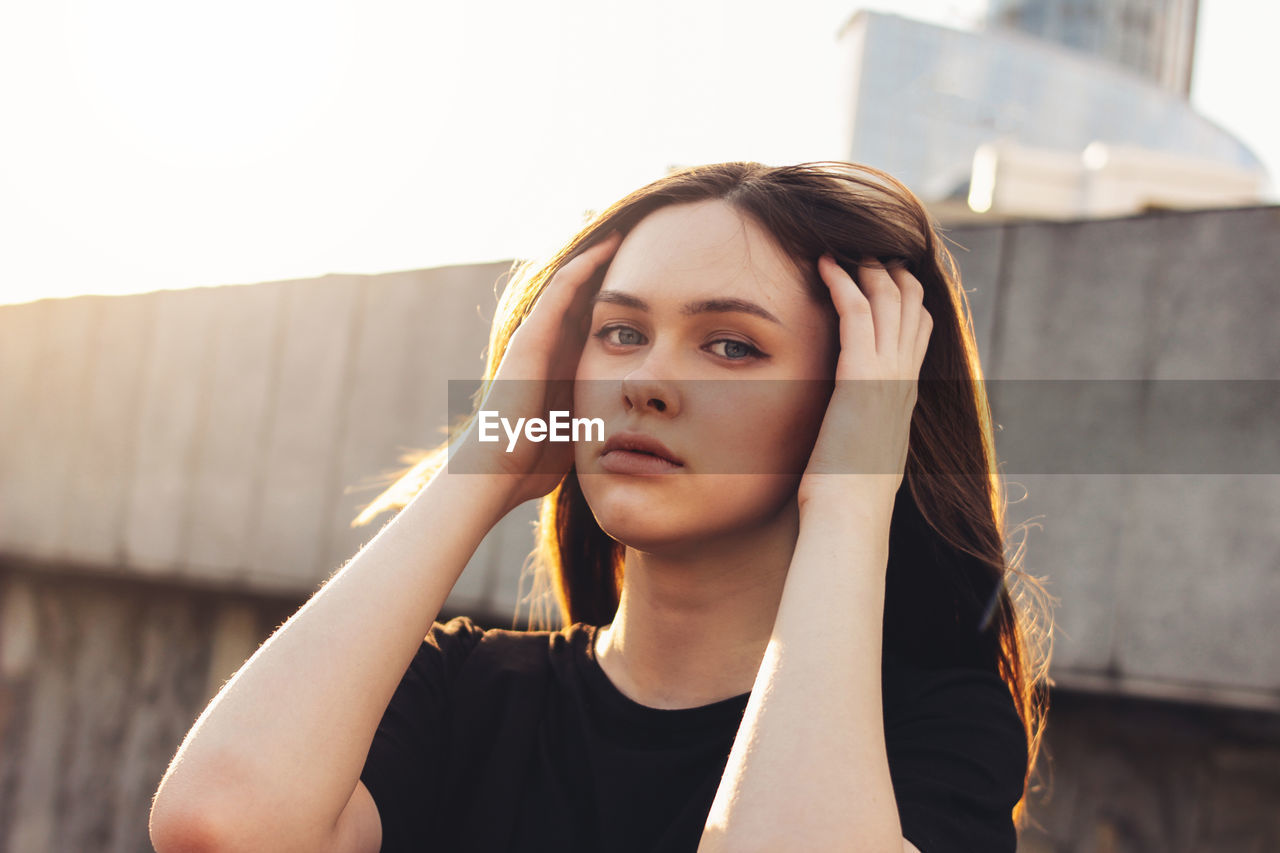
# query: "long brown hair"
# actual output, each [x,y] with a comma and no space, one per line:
[954,595]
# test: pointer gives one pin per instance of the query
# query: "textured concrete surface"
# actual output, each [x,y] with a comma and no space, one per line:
[229,466]
[977,252]
[1163,578]
[120,672]
[170,428]
[1132,776]
[96,497]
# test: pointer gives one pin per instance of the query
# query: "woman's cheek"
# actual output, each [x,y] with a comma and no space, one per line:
[795,428]
[590,396]
[767,432]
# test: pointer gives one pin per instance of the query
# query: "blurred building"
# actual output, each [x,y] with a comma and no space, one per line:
[1005,124]
[1156,39]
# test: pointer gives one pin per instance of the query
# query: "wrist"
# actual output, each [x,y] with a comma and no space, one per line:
[846,496]
[490,495]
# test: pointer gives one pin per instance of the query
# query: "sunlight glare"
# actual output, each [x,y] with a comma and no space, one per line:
[185,81]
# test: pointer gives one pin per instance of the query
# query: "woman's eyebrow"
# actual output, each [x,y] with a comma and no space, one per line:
[702,306]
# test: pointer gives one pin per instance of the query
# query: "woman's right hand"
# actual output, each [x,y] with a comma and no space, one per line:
[535,378]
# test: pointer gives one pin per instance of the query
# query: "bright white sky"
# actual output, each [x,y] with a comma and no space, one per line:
[150,144]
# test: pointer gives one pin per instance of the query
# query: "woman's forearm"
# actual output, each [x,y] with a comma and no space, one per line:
[808,769]
[280,748]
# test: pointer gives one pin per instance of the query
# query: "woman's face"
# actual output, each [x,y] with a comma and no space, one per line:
[703,339]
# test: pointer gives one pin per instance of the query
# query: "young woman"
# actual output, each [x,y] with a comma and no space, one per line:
[786,616]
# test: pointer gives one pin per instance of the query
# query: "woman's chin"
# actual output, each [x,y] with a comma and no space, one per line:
[674,531]
[646,530]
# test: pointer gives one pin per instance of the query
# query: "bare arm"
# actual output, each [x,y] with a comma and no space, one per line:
[809,768]
[275,757]
[274,762]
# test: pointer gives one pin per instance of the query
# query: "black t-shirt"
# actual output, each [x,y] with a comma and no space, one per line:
[518,741]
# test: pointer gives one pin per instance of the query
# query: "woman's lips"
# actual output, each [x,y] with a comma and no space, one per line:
[634,452]
[636,462]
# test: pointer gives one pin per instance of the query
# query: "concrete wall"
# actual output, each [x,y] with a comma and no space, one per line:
[213,435]
[100,680]
[1169,583]
[228,436]
[1133,775]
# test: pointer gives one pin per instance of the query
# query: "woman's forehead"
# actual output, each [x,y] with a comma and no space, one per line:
[704,249]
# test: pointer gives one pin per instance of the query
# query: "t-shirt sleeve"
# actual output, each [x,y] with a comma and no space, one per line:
[957,756]
[406,760]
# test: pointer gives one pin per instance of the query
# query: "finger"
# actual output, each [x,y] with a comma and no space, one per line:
[857,330]
[580,306]
[922,338]
[886,304]
[912,292]
[565,287]
[546,320]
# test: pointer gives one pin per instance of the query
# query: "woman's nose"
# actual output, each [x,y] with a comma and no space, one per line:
[644,390]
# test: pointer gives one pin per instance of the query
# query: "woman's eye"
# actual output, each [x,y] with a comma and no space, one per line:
[734,350]
[624,336]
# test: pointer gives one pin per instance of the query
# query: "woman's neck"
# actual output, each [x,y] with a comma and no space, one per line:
[692,627]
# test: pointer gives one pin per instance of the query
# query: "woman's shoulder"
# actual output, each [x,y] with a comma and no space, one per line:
[962,688]
[957,754]
[909,675]
[461,641]
[466,630]
[488,676]
[952,706]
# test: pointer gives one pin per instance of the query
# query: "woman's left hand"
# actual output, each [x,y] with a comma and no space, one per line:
[884,330]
